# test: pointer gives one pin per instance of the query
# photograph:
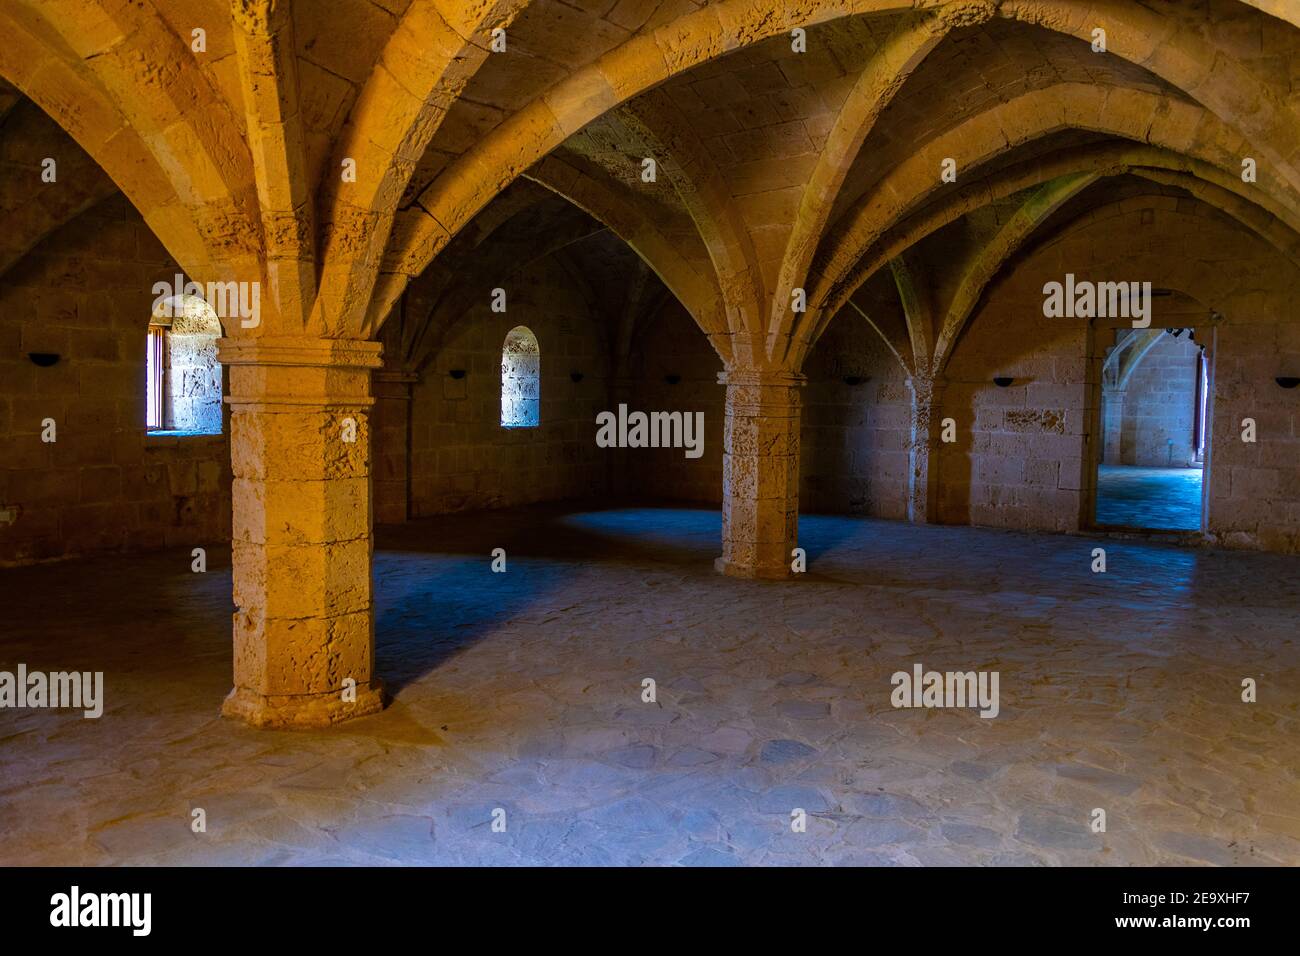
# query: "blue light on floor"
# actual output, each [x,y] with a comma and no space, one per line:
[1162,499]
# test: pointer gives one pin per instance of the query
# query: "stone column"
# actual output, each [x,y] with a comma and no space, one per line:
[390,437]
[923,448]
[618,475]
[760,473]
[300,450]
[1112,425]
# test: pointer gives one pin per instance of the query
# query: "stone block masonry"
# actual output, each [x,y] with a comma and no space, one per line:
[824,227]
[104,485]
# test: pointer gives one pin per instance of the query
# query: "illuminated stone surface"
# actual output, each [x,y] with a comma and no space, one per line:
[832,255]
[523,691]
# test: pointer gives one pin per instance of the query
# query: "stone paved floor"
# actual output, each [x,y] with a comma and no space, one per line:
[522,691]
[1162,499]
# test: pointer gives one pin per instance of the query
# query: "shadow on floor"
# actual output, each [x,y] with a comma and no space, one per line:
[436,592]
[523,691]
[436,595]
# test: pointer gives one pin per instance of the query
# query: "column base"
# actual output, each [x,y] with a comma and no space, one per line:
[733,569]
[302,711]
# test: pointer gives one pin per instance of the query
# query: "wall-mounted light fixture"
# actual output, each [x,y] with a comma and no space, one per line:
[1288,381]
[672,379]
[44,359]
[1002,381]
[575,376]
[457,373]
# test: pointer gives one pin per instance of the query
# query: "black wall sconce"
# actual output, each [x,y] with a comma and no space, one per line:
[672,379]
[854,380]
[457,373]
[44,359]
[1002,381]
[575,376]
[1288,381]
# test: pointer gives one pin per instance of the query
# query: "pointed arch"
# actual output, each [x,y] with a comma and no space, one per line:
[133,98]
[988,262]
[875,88]
[708,201]
[1170,124]
[641,63]
[1172,52]
[432,55]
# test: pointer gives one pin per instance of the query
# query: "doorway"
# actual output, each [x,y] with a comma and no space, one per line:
[1154,426]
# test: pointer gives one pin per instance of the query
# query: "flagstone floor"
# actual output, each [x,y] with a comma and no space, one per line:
[1162,499]
[522,692]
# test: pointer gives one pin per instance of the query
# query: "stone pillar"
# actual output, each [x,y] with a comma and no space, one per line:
[390,450]
[1112,425]
[618,474]
[300,450]
[760,473]
[923,448]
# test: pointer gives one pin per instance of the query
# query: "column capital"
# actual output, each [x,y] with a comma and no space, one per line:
[293,373]
[761,377]
[919,381]
[300,351]
[397,376]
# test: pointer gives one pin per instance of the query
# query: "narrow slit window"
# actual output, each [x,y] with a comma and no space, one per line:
[520,379]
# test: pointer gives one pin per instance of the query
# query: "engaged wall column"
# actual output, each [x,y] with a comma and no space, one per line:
[922,448]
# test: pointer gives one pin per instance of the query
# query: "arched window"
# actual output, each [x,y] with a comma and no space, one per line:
[521,366]
[184,384]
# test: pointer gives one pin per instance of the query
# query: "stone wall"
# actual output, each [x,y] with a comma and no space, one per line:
[855,424]
[853,437]
[1017,461]
[1255,486]
[85,294]
[462,458]
[1020,461]
[673,368]
[1021,458]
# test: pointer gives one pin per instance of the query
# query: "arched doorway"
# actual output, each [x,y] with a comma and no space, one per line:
[1154,401]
